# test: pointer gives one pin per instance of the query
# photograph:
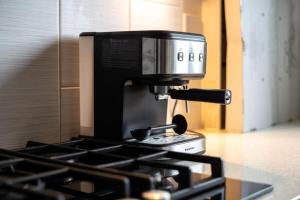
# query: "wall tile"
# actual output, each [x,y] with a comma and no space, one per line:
[192,23]
[86,16]
[169,2]
[29,81]
[193,7]
[147,14]
[70,116]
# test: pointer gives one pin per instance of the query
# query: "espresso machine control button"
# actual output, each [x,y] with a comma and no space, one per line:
[191,57]
[180,56]
[201,57]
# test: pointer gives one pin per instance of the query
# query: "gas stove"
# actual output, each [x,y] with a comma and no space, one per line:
[86,169]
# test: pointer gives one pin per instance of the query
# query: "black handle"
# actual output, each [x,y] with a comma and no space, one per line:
[210,96]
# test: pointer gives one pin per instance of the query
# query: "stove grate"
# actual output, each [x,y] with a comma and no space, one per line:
[80,171]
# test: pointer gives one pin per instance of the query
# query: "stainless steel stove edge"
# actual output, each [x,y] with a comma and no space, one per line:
[194,146]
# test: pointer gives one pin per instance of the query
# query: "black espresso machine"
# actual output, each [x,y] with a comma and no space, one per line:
[126,79]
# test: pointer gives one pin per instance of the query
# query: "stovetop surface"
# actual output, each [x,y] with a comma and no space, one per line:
[84,169]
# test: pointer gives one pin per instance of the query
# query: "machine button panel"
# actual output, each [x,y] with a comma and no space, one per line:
[172,56]
[180,56]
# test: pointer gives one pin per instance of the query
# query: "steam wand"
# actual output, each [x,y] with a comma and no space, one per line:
[179,125]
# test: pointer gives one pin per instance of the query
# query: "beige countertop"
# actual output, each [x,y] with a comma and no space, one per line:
[269,156]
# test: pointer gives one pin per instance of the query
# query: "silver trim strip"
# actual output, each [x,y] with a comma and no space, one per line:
[86,74]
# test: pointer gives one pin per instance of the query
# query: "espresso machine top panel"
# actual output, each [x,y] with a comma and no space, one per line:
[158,34]
[162,53]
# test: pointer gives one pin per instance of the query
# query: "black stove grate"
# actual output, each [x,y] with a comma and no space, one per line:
[90,169]
[17,192]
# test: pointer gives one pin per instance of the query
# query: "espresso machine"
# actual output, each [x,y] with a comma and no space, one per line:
[126,79]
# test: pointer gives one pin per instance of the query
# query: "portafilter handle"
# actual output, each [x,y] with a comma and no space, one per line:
[202,95]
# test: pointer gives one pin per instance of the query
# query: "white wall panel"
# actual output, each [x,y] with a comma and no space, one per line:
[146,14]
[29,72]
[270,31]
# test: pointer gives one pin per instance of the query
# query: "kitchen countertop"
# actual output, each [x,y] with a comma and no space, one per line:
[269,156]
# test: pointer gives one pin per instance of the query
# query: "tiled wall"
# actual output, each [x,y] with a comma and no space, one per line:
[29,72]
[39,79]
